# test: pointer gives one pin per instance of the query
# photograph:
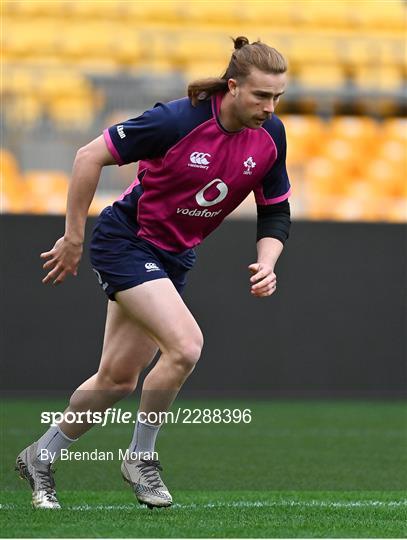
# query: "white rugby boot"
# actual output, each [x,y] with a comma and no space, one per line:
[40,477]
[144,477]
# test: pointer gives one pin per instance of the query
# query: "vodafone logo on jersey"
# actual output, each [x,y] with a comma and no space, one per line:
[201,199]
[199,160]
[221,187]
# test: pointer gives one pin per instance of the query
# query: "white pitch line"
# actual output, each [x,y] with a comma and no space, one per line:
[237,504]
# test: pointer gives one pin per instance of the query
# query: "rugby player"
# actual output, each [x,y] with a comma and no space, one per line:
[199,157]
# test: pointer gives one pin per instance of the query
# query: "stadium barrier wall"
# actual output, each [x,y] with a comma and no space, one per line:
[335,328]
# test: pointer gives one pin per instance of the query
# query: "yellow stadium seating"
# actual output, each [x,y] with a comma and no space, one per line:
[341,168]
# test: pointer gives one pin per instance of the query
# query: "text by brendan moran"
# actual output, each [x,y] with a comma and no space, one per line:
[96,455]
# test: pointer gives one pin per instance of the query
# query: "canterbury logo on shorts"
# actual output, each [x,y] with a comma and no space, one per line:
[151,267]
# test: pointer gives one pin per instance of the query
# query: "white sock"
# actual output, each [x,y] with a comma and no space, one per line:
[51,443]
[144,437]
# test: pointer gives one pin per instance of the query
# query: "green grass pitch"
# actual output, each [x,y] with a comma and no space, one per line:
[298,469]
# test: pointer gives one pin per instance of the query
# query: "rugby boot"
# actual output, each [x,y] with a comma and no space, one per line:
[40,477]
[144,477]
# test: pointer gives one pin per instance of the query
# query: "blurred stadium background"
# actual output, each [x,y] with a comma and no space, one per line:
[71,68]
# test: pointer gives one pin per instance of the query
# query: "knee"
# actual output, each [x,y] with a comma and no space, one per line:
[111,383]
[187,351]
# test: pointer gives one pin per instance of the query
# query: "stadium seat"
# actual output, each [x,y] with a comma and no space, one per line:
[87,39]
[308,50]
[57,83]
[23,110]
[378,78]
[396,128]
[378,15]
[202,70]
[314,13]
[91,10]
[318,76]
[34,8]
[220,12]
[387,178]
[321,177]
[395,152]
[19,81]
[154,12]
[344,157]
[279,13]
[305,134]
[360,132]
[356,50]
[46,191]
[72,113]
[199,46]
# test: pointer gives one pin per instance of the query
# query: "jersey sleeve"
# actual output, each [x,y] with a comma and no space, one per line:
[146,137]
[275,186]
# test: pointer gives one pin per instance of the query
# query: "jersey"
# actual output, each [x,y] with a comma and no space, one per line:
[192,172]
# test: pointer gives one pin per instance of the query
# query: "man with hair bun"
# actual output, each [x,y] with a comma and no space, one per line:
[199,157]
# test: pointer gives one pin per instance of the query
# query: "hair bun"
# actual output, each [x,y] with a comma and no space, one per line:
[240,42]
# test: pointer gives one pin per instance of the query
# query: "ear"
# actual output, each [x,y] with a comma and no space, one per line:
[232,86]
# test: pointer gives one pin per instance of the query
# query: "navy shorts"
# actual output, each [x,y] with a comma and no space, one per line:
[121,260]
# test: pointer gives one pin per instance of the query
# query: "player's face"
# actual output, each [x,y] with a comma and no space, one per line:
[256,97]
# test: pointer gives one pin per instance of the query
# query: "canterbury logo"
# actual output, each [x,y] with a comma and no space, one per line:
[220,186]
[199,159]
[150,266]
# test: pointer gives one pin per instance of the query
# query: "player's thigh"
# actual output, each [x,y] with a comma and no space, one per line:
[158,308]
[127,347]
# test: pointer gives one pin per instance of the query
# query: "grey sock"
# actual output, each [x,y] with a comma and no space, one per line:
[144,437]
[51,443]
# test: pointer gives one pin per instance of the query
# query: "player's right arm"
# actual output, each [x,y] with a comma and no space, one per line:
[64,257]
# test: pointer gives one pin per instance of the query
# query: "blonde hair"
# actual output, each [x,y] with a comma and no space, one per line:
[245,56]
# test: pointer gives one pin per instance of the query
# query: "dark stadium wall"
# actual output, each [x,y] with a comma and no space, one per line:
[335,328]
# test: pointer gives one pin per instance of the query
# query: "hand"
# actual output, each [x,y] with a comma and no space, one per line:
[63,259]
[263,280]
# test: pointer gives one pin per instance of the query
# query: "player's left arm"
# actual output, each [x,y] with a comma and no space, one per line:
[273,225]
[273,217]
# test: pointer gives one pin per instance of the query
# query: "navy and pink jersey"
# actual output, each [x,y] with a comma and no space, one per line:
[192,172]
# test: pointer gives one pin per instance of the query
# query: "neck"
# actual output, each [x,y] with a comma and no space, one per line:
[227,116]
